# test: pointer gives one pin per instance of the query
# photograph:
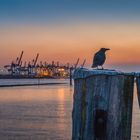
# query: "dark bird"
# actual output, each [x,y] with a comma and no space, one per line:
[99,58]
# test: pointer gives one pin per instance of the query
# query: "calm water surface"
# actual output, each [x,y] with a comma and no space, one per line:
[42,113]
[36,113]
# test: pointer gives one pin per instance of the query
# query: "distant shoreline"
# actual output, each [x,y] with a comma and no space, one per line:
[29,77]
[35,84]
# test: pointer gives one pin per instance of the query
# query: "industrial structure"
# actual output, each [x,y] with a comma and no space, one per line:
[35,69]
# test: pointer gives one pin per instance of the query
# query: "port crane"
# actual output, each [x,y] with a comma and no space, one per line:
[20,68]
[14,67]
[76,64]
[17,68]
[83,63]
[32,67]
[20,58]
[34,64]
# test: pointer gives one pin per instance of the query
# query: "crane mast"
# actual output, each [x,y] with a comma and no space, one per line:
[19,61]
[36,59]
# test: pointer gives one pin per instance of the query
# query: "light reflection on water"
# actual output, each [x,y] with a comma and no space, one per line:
[43,113]
[135,118]
[36,113]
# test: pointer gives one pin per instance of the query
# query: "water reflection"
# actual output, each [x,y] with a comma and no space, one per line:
[61,110]
[36,93]
[37,113]
[135,118]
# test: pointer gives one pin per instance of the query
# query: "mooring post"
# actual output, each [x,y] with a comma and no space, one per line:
[71,76]
[102,108]
[138,87]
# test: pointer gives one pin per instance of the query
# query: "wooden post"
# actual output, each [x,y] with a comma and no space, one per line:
[138,87]
[71,76]
[102,108]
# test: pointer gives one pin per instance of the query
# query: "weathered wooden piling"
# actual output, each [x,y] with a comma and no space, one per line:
[102,108]
[138,87]
[71,76]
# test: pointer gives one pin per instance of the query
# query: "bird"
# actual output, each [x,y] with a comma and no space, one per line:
[99,58]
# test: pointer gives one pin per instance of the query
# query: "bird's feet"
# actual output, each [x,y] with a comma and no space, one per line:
[100,68]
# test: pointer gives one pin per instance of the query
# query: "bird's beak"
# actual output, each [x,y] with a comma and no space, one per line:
[107,49]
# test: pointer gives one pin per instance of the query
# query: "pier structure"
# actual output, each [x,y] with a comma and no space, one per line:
[102,107]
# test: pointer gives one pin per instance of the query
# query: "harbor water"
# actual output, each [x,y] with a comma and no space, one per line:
[43,112]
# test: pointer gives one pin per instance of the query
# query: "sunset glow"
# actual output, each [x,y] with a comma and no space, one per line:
[69,36]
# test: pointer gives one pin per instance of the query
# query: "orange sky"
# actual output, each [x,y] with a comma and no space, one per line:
[67,42]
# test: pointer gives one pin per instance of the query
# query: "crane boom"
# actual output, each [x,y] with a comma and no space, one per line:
[36,59]
[19,61]
[83,63]
[76,63]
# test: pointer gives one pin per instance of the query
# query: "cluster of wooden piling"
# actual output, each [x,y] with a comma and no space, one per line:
[103,101]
